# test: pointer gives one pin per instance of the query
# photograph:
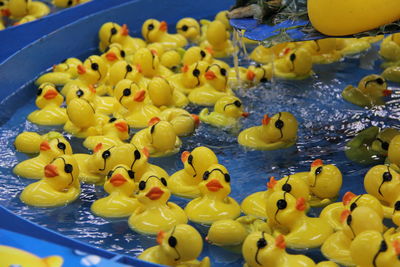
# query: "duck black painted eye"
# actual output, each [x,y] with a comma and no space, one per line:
[79,93]
[150,27]
[94,66]
[137,155]
[349,219]
[129,68]
[383,246]
[205,175]
[263,80]
[106,154]
[387,177]
[126,92]
[223,72]
[185,28]
[397,206]
[131,174]
[353,206]
[190,159]
[227,177]
[385,145]
[152,129]
[202,54]
[68,168]
[69,3]
[142,185]
[196,72]
[1,4]
[261,243]
[292,57]
[61,146]
[107,49]
[163,181]
[237,103]
[109,174]
[281,204]
[279,124]
[287,188]
[112,120]
[39,92]
[380,81]
[172,242]
[113,31]
[122,53]
[318,170]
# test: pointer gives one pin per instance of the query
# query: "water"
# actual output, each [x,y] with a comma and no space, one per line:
[326,123]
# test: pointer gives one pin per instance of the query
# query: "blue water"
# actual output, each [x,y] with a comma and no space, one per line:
[326,122]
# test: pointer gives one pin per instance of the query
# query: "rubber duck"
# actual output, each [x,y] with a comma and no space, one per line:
[255,204]
[390,49]
[253,75]
[159,138]
[48,100]
[61,73]
[370,145]
[172,60]
[217,38]
[189,28]
[163,94]
[156,31]
[155,213]
[185,182]
[120,185]
[29,142]
[370,92]
[297,64]
[337,246]
[383,182]
[180,246]
[323,51]
[392,74]
[10,256]
[22,8]
[276,132]
[261,249]
[123,70]
[265,55]
[55,146]
[214,203]
[83,120]
[226,114]
[396,213]
[26,19]
[159,48]
[113,133]
[65,3]
[111,32]
[192,76]
[114,53]
[150,63]
[182,121]
[59,186]
[195,54]
[393,153]
[287,215]
[352,46]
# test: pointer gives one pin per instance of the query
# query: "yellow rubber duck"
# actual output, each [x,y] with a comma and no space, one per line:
[113,133]
[135,109]
[370,91]
[192,77]
[185,182]
[182,121]
[22,8]
[29,142]
[156,31]
[114,53]
[396,212]
[159,139]
[26,19]
[265,55]
[120,185]
[112,32]
[383,182]
[287,215]
[217,38]
[323,51]
[393,153]
[260,249]
[48,100]
[180,246]
[226,114]
[337,246]
[189,28]
[65,3]
[276,132]
[59,186]
[10,256]
[351,46]
[214,203]
[390,49]
[172,59]
[295,65]
[163,94]
[55,146]
[149,63]
[195,54]
[255,204]
[61,73]
[253,75]
[156,213]
[123,70]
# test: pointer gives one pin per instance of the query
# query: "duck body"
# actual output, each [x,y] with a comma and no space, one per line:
[13,256]
[217,38]
[390,49]
[182,121]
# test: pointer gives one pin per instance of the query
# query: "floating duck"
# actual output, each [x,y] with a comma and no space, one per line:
[352,46]
[189,28]
[390,49]
[294,65]
[22,8]
[55,145]
[217,38]
[323,51]
[156,213]
[159,139]
[120,185]
[337,246]
[29,142]
[214,203]
[287,215]
[163,94]
[182,121]
[393,153]
[192,76]
[265,55]
[253,75]
[61,73]
[59,186]
[263,250]
[150,63]
[276,132]
[370,92]
[180,246]
[67,3]
[195,54]
[255,204]
[172,59]
[10,256]
[156,31]
[48,100]
[123,70]
[114,53]
[135,109]
[185,182]
[383,182]
[226,114]
[113,133]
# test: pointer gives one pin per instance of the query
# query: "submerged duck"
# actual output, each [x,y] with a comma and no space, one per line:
[180,246]
[189,28]
[163,94]
[182,121]
[10,256]
[185,182]
[59,186]
[393,153]
[276,132]
[217,38]
[156,213]
[156,31]
[214,203]
[48,100]
[120,185]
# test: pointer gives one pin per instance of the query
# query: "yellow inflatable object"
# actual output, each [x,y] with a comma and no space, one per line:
[185,182]
[48,101]
[59,186]
[54,146]
[156,213]
[294,65]
[163,94]
[189,28]
[183,122]
[393,152]
[149,63]
[10,256]
[342,17]
[214,203]
[217,39]
[156,31]
[120,185]
[192,76]
[323,51]
[276,132]
[180,246]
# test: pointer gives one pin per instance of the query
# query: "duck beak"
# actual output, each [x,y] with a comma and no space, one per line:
[51,94]
[50,171]
[265,120]
[121,126]
[117,180]
[387,92]
[155,193]
[184,156]
[210,75]
[317,163]
[245,114]
[196,119]
[214,185]
[111,56]
[124,30]
[160,237]
[139,96]
[250,75]
[81,69]
[44,146]
[6,12]
[163,26]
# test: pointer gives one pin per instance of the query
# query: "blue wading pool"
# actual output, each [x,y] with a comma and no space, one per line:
[326,123]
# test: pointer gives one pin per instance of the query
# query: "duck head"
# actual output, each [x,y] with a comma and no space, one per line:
[68,66]
[160,92]
[382,182]
[81,113]
[84,92]
[353,222]
[394,151]
[93,70]
[153,190]
[47,94]
[383,139]
[148,60]
[289,184]
[373,85]
[325,180]
[196,54]
[217,34]
[189,28]
[161,134]
[193,75]
[352,201]
[216,182]
[4,10]
[19,8]
[55,145]
[129,94]
[120,179]
[230,106]
[108,33]
[280,127]
[171,59]
[62,173]
[123,70]
[113,53]
[65,3]
[217,77]
[153,30]
[118,127]
[258,73]
[197,162]
[300,62]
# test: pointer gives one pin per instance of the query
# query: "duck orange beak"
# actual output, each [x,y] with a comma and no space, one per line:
[139,68]
[196,119]
[98,147]
[155,193]
[185,68]
[160,237]
[153,121]
[111,56]
[81,69]
[344,215]
[92,88]
[280,242]
[125,30]
[117,180]
[245,114]
[50,171]
[146,152]
[163,26]
[387,92]
[214,185]
[139,96]
[44,146]
[396,245]
[209,50]
[266,120]
[250,75]
[272,182]
[210,75]
[301,204]
[348,196]
[184,156]
[154,52]
[51,94]
[121,126]
[5,12]
[317,163]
